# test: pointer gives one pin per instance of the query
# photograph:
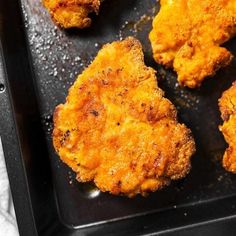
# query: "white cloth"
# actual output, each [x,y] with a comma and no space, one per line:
[8,225]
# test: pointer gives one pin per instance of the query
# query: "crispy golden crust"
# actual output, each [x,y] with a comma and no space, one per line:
[187,35]
[117,129]
[227,104]
[72,13]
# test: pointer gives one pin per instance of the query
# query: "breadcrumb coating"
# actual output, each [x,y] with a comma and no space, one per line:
[117,129]
[72,13]
[227,104]
[187,35]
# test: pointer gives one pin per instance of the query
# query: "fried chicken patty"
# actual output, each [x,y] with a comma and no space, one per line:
[72,13]
[227,104]
[117,129]
[187,35]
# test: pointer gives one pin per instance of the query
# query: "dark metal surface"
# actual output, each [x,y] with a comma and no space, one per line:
[41,63]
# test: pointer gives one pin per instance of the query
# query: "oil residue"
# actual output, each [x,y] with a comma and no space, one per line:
[141,23]
[136,26]
[88,190]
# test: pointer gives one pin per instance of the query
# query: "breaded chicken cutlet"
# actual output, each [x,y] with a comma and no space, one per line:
[227,104]
[117,129]
[187,35]
[72,13]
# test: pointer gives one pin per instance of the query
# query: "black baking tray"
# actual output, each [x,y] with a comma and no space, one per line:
[38,63]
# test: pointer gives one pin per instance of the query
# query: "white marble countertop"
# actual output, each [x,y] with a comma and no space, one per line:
[8,225]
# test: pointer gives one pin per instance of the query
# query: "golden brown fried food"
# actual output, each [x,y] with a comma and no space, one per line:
[187,35]
[72,13]
[117,129]
[227,105]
